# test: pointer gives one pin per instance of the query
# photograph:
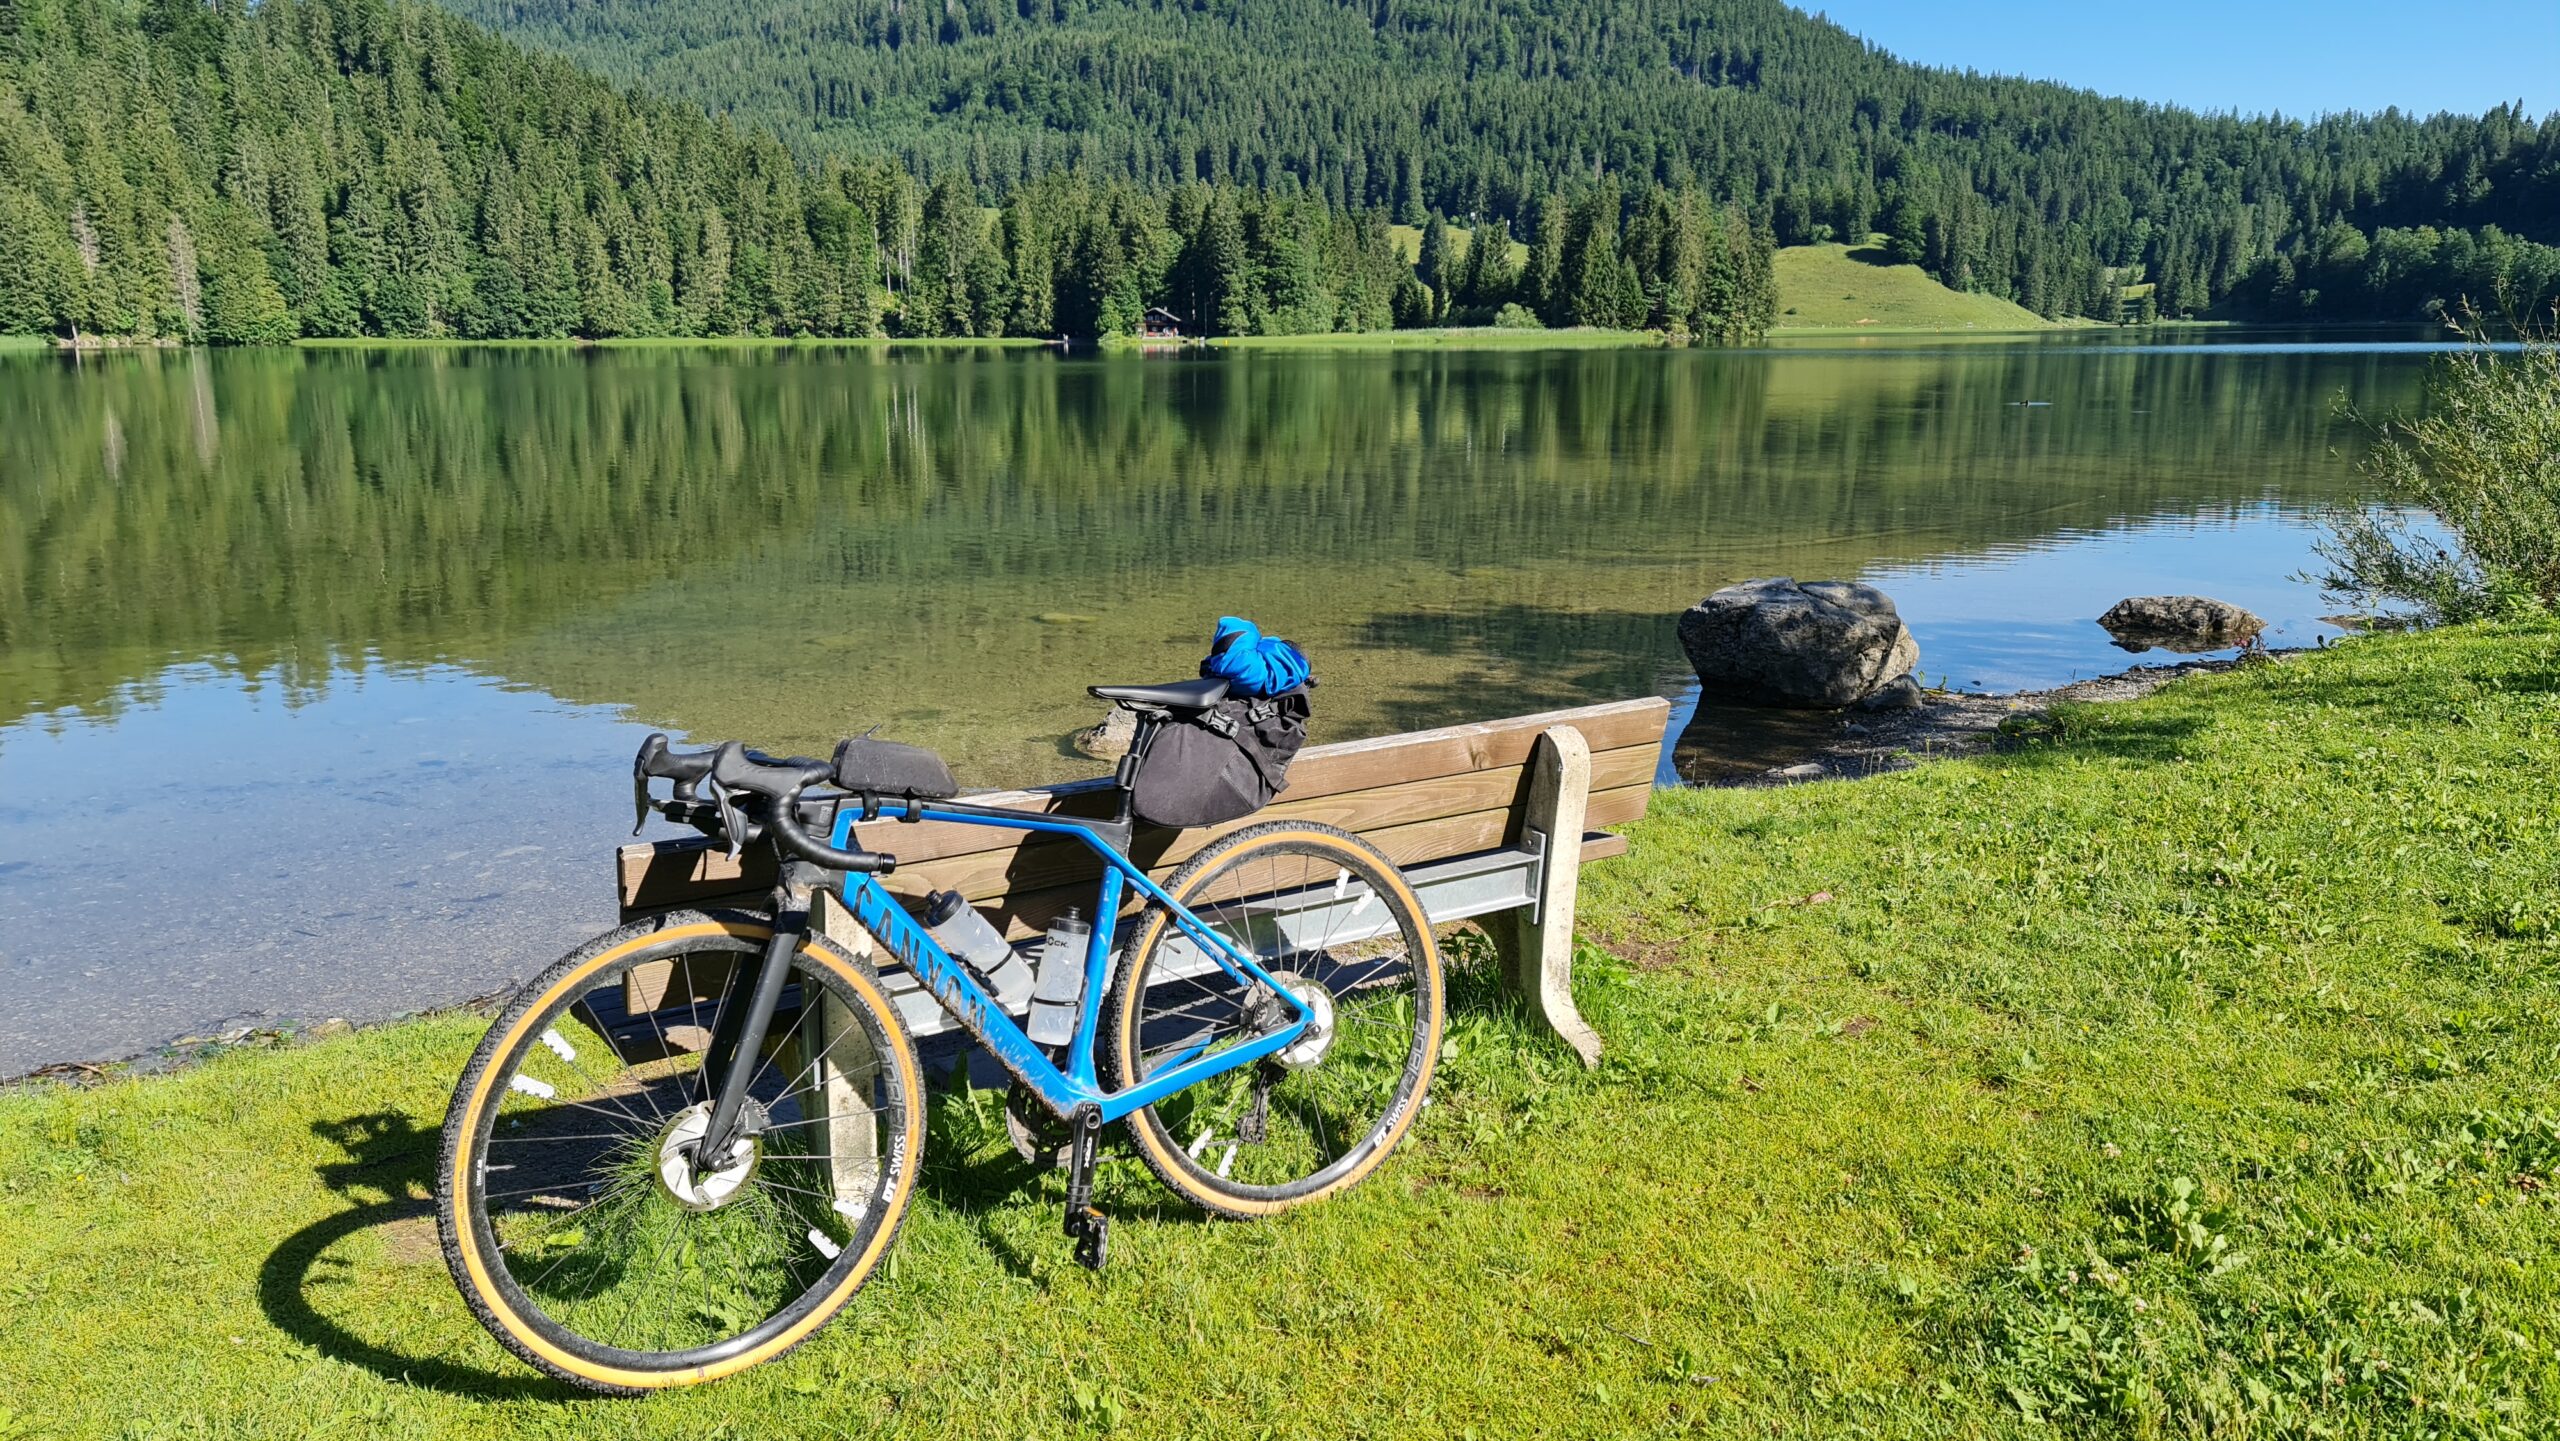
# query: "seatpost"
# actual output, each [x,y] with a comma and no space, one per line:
[1127,776]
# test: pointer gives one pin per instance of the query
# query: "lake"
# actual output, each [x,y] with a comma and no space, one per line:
[320,670]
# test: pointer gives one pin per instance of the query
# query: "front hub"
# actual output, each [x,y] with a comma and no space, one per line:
[689,1179]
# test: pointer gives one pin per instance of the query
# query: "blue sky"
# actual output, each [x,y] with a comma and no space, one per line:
[2300,57]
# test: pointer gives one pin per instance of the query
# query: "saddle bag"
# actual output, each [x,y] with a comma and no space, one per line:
[1221,764]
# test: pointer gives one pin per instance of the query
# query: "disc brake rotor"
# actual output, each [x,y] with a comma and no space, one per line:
[1309,1049]
[698,1190]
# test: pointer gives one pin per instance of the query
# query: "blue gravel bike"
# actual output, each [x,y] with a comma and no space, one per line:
[687,1144]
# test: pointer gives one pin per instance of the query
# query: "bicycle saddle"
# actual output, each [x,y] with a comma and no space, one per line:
[1173,695]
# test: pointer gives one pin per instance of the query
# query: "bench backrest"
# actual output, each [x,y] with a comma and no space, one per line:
[1423,796]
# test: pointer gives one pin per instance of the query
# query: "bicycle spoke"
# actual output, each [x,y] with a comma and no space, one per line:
[614,1254]
[1328,1097]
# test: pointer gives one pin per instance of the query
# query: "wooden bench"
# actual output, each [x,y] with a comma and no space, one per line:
[1490,822]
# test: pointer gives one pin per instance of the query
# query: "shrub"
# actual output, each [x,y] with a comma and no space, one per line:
[1516,317]
[2464,516]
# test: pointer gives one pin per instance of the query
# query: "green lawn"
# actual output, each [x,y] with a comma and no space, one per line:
[1824,287]
[2185,1071]
[1407,239]
[640,342]
[1463,337]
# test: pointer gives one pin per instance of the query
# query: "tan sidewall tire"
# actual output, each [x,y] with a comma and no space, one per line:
[469,1268]
[1155,1145]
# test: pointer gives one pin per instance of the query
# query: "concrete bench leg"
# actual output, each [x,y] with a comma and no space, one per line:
[836,1078]
[1536,942]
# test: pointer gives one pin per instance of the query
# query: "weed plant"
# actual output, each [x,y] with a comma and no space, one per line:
[2463,516]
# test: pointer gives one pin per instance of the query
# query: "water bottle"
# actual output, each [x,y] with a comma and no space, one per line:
[952,921]
[1059,997]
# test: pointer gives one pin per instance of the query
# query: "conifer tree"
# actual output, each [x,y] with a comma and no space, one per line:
[1436,267]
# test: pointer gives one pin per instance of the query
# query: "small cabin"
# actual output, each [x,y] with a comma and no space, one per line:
[1160,324]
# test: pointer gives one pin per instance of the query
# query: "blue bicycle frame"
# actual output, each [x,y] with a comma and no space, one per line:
[959,992]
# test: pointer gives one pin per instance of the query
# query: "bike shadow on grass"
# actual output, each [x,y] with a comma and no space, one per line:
[389,1175]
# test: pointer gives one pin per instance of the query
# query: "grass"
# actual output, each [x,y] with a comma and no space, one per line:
[1470,337]
[2185,1070]
[1824,287]
[1407,239]
[644,342]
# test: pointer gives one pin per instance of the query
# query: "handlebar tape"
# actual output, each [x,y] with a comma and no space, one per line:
[780,782]
[733,769]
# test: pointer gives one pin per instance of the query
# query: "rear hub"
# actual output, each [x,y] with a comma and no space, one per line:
[1308,1051]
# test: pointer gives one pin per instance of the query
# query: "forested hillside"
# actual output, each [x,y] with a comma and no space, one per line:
[2050,196]
[254,173]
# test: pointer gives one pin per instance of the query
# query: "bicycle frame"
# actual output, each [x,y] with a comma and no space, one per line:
[958,991]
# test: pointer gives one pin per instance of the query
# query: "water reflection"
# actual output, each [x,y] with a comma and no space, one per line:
[263,573]
[783,543]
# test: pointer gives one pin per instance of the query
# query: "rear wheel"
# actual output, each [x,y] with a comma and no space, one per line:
[1332,921]
[577,1220]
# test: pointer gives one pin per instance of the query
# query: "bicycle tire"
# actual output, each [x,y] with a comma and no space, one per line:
[1404,966]
[556,1018]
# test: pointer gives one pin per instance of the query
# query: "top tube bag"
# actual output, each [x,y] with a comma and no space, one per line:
[1220,764]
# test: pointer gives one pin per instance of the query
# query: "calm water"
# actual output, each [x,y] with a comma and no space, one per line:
[318,671]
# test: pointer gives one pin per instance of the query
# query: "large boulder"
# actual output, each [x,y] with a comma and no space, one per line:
[1819,644]
[2185,623]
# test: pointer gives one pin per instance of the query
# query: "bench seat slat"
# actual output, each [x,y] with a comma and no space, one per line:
[1039,862]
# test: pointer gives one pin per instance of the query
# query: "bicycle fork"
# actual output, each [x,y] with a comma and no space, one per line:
[738,1042]
[734,1057]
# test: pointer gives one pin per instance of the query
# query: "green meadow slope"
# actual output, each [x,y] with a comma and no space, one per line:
[1837,287]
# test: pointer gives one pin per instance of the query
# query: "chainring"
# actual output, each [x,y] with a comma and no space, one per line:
[1037,1134]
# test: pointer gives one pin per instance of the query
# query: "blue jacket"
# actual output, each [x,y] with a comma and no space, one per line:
[1252,663]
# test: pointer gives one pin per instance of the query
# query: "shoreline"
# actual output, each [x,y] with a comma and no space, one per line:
[2112,1005]
[1811,745]
[1947,725]
[1450,338]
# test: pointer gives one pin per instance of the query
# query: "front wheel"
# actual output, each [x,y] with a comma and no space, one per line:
[578,1219]
[1332,921]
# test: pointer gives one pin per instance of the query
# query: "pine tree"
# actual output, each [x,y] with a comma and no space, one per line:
[1031,310]
[243,305]
[950,239]
[1227,282]
[39,271]
[1592,272]
[1542,285]
[1906,231]
[1436,267]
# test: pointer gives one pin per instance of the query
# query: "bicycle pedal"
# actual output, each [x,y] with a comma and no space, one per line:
[1092,1231]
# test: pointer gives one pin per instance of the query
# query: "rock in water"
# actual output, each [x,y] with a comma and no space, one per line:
[2187,624]
[1108,739]
[1821,644]
[1900,693]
